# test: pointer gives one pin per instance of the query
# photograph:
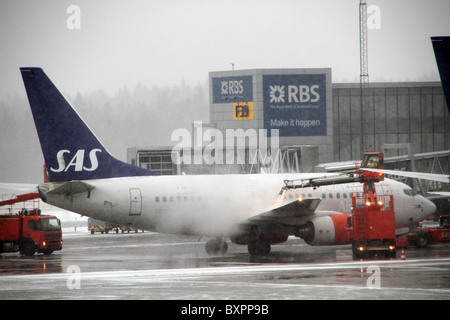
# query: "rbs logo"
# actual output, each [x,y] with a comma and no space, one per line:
[77,161]
[232,87]
[301,93]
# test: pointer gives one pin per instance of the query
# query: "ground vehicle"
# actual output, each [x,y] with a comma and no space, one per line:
[423,237]
[373,218]
[95,225]
[30,232]
[374,226]
[128,229]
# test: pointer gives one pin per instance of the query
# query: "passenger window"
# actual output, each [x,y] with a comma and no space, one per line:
[156,199]
[338,195]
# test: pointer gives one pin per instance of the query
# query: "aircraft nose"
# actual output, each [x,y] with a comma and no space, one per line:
[429,207]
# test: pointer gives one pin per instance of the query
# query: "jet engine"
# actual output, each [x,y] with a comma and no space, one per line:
[332,229]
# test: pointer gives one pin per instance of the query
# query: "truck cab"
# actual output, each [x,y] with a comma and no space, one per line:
[30,232]
[44,231]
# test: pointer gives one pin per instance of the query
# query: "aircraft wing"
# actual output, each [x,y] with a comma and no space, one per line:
[418,175]
[280,220]
[294,209]
[438,195]
[11,193]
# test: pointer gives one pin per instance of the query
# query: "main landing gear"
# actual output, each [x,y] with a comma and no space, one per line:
[259,247]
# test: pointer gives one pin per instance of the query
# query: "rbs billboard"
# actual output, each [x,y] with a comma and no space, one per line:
[295,104]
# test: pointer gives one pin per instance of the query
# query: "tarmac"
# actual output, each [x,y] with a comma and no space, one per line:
[156,266]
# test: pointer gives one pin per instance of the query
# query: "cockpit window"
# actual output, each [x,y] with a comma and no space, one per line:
[410,192]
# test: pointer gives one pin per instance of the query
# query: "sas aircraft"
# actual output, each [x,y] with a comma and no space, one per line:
[85,178]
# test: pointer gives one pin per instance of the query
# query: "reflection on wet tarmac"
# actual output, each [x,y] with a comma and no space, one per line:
[157,266]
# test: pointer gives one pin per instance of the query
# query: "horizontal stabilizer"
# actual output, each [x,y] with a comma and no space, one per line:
[66,188]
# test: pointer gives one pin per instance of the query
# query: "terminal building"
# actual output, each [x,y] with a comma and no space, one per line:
[292,120]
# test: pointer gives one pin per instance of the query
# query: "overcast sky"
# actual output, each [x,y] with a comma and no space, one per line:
[123,43]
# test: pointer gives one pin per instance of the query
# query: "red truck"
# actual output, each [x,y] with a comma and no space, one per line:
[373,218]
[30,232]
[422,237]
[374,226]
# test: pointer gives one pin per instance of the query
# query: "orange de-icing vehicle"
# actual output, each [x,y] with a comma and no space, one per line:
[373,218]
[29,232]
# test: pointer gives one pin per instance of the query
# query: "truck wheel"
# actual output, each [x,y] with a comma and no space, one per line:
[28,248]
[422,240]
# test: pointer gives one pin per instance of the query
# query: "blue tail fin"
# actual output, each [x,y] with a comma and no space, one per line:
[441,46]
[71,150]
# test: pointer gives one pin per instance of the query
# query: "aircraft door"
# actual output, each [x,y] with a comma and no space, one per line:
[135,201]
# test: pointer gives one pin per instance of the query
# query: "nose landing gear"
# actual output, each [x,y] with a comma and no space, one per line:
[216,246]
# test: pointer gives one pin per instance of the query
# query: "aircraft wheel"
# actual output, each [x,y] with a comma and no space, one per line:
[216,246]
[259,247]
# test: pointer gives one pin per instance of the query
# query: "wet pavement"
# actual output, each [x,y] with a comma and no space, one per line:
[159,266]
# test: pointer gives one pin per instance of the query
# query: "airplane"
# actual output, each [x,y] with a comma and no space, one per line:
[441,47]
[85,178]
